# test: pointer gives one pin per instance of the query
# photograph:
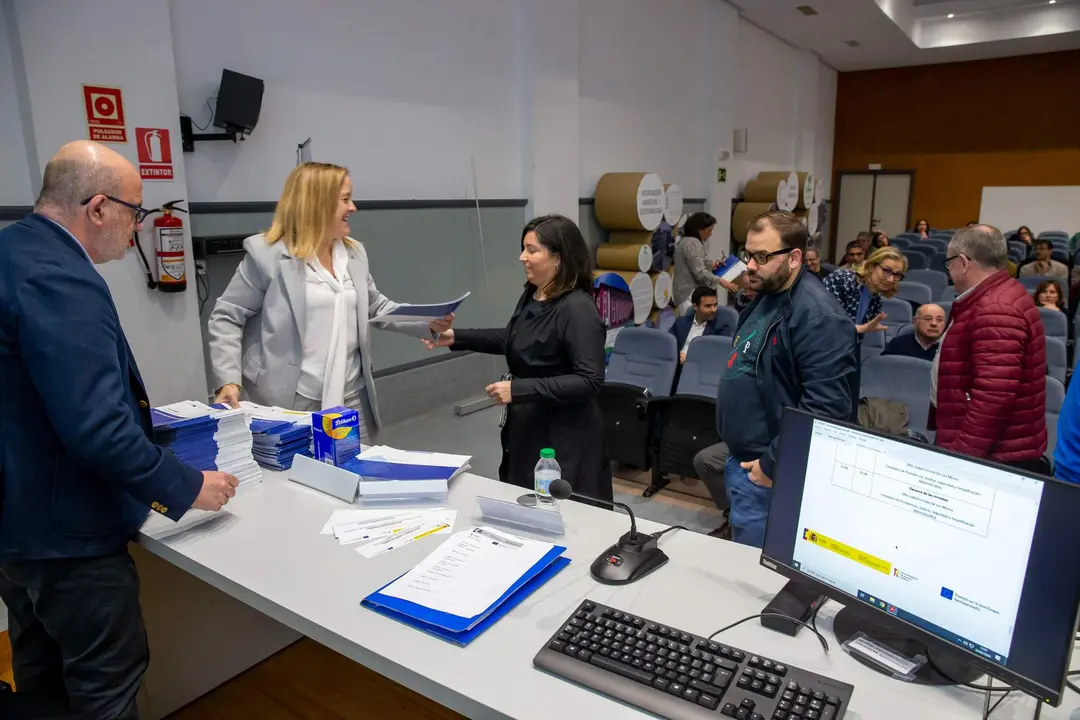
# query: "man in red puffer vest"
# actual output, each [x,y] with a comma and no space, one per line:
[988,382]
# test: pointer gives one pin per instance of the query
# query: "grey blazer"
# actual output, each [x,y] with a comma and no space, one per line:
[257,324]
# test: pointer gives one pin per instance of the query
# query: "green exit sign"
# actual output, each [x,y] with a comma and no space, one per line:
[721,174]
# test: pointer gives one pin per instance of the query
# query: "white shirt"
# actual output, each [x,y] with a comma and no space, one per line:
[696,330]
[321,300]
[936,363]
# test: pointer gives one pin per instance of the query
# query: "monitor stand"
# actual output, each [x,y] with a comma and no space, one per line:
[954,666]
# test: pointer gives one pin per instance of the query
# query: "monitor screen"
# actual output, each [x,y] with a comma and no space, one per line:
[965,553]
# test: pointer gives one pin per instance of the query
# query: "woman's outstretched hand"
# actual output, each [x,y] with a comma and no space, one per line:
[442,324]
[444,339]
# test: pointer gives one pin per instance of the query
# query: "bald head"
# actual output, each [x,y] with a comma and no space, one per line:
[80,170]
[81,189]
[929,322]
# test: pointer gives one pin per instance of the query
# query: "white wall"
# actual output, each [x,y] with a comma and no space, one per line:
[1040,208]
[14,172]
[786,99]
[402,93]
[125,44]
[642,81]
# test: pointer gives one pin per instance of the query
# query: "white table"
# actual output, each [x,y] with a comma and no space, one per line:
[263,575]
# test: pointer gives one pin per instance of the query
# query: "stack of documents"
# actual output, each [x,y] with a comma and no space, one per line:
[278,434]
[387,473]
[380,531]
[474,578]
[207,438]
[406,312]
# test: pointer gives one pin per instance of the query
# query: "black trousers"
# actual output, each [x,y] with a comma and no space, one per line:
[76,631]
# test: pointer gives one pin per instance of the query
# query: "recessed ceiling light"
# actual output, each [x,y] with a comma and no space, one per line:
[951,16]
[1053,1]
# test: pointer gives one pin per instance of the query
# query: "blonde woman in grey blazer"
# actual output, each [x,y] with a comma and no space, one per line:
[293,328]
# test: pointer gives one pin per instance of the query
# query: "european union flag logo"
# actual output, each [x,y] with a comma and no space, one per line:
[946,593]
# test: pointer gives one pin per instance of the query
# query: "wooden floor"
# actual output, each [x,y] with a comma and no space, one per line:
[305,680]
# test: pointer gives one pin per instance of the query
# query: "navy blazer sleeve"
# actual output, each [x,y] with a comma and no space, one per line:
[68,334]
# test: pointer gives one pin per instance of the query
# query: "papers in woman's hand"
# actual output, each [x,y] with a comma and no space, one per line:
[379,531]
[420,313]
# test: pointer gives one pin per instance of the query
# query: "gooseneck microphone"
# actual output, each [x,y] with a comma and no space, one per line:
[633,557]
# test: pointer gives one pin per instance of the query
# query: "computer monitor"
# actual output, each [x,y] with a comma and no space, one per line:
[975,563]
[239,102]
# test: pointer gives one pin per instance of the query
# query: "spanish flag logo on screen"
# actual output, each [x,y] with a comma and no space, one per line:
[328,427]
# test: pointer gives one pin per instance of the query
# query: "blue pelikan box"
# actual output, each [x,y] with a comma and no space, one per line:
[336,435]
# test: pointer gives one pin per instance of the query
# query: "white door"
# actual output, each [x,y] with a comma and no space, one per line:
[891,196]
[856,203]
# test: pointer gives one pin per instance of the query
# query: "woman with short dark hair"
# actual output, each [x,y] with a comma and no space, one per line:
[554,348]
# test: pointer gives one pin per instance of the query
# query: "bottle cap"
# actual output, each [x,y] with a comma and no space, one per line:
[547,453]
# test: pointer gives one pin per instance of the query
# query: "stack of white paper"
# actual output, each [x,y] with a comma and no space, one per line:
[387,472]
[207,438]
[380,531]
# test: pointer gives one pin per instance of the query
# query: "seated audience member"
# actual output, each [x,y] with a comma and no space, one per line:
[687,328]
[1047,295]
[744,297]
[854,254]
[813,263]
[1044,265]
[1023,234]
[864,239]
[922,229]
[923,343]
[988,381]
[879,240]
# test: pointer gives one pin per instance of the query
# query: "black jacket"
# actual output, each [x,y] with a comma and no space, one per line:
[807,359]
[555,354]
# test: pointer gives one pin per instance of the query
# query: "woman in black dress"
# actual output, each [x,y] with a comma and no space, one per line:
[554,348]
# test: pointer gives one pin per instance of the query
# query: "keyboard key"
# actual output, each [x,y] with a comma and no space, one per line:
[757,716]
[584,654]
[649,667]
[754,661]
[631,673]
[738,655]
[793,686]
[758,675]
[744,681]
[697,664]
[708,701]
[690,695]
[784,705]
[829,713]
[725,651]
[722,679]
[660,683]
[816,704]
[729,710]
[683,669]
[728,665]
[708,669]
[706,688]
[780,670]
[780,715]
[767,665]
[813,715]
[676,689]
[706,656]
[789,696]
[770,690]
[683,679]
[571,649]
[757,686]
[696,674]
[802,699]
[748,704]
[832,700]
[683,637]
[742,714]
[772,680]
[589,606]
[638,663]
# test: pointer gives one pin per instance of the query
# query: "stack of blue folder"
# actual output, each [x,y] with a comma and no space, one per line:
[278,435]
[207,438]
[463,630]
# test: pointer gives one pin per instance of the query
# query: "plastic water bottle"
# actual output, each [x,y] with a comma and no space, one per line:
[547,470]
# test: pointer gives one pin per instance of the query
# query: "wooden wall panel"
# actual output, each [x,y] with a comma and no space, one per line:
[962,126]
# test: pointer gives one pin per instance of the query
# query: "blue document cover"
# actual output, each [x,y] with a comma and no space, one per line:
[382,470]
[432,622]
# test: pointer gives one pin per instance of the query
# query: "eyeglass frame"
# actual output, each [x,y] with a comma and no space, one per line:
[141,213]
[890,274]
[953,257]
[748,256]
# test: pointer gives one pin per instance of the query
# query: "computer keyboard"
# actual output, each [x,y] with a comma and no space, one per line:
[682,676]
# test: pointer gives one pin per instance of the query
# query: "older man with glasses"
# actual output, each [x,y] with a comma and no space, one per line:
[794,346]
[79,472]
[988,381]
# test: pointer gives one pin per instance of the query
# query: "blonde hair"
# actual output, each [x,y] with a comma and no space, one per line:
[306,208]
[876,258]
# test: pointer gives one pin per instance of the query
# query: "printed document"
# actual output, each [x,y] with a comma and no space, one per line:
[420,313]
[469,571]
[437,523]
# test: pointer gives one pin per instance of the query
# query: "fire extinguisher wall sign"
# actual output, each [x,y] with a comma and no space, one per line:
[169,244]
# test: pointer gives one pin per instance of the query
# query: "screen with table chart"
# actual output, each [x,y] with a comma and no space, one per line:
[933,539]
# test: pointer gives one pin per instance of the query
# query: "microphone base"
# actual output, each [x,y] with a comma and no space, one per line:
[628,560]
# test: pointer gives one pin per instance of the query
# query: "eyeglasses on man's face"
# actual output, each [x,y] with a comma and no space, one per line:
[762,257]
[139,210]
[948,260]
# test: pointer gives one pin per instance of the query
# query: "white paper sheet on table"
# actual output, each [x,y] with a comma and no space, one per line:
[469,571]
[390,524]
[160,527]
[349,515]
[437,523]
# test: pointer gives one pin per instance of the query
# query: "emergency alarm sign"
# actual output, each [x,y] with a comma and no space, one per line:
[155,153]
[104,114]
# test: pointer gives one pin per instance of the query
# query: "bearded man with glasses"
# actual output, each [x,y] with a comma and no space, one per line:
[794,345]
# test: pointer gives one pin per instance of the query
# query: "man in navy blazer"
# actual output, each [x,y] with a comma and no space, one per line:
[700,322]
[78,470]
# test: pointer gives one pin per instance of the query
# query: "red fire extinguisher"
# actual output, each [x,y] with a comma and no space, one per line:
[169,271]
